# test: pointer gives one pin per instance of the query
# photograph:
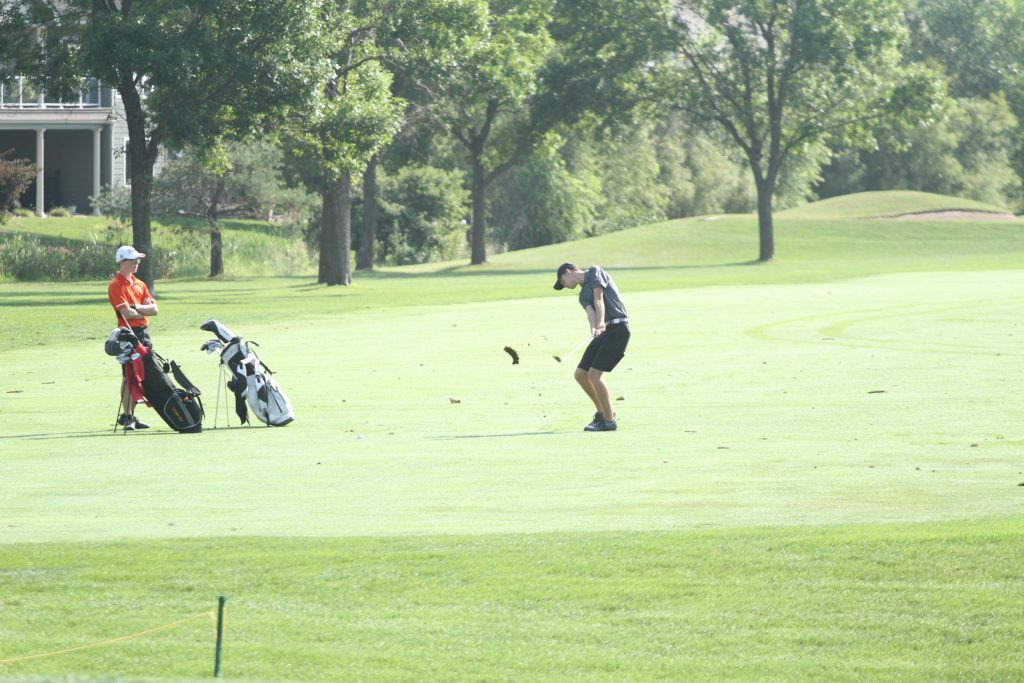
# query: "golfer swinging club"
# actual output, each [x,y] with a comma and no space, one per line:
[608,323]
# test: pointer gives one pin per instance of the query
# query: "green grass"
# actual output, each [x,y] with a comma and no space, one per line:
[817,475]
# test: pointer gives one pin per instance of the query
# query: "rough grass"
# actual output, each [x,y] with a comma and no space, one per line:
[817,475]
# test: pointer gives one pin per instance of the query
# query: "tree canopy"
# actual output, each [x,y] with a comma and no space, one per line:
[187,71]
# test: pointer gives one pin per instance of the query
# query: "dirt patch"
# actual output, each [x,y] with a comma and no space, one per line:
[956,215]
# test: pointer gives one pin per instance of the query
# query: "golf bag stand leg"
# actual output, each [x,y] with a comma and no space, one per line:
[221,374]
[120,399]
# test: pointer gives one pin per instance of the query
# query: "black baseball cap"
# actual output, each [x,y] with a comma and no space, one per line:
[562,270]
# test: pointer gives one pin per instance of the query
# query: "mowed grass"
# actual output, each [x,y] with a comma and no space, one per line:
[818,473]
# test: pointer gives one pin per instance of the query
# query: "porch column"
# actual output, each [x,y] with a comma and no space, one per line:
[95,169]
[40,172]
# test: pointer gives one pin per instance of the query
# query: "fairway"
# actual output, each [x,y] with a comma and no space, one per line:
[815,475]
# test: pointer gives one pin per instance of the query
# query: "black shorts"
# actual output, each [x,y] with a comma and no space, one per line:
[607,349]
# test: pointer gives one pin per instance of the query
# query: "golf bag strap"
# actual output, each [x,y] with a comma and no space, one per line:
[262,364]
[181,379]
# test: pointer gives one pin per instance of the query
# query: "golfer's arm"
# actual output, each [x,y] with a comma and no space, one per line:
[598,320]
[137,311]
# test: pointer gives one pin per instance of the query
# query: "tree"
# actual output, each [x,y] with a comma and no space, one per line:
[780,76]
[978,46]
[486,97]
[187,71]
[357,116]
[419,42]
[242,179]
[977,43]
[966,153]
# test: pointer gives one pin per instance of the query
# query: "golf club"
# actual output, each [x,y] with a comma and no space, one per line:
[574,349]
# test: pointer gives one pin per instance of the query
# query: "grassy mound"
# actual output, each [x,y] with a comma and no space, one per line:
[886,204]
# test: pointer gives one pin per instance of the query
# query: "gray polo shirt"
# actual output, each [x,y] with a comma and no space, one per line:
[613,306]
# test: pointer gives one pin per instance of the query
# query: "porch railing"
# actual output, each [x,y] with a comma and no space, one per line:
[20,93]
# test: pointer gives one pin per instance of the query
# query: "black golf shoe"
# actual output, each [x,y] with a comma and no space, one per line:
[598,419]
[130,422]
[602,426]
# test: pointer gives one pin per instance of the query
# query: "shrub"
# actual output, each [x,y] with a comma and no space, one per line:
[114,202]
[539,202]
[421,210]
[15,177]
[30,257]
[59,212]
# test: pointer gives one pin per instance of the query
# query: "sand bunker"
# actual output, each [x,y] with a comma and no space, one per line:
[956,215]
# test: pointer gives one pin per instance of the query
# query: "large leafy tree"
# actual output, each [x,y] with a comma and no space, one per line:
[242,179]
[486,97]
[781,76]
[357,116]
[419,42]
[187,71]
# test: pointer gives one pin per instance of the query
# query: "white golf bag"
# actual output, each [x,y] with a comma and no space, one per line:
[249,379]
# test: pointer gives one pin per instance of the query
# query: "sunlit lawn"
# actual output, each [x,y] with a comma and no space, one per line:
[818,471]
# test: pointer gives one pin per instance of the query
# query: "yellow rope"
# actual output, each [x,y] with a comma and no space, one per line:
[113,640]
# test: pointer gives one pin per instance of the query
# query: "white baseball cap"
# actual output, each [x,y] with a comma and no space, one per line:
[128,253]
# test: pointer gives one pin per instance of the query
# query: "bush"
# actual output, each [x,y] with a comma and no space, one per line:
[114,202]
[29,257]
[420,220]
[179,250]
[59,212]
[538,202]
[15,177]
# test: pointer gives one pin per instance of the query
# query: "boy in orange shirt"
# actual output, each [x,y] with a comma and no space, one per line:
[133,304]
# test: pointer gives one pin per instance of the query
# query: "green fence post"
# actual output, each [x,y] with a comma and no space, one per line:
[220,635]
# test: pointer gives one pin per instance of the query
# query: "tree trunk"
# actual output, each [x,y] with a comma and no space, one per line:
[368,236]
[336,232]
[330,251]
[142,155]
[345,226]
[216,239]
[478,247]
[765,226]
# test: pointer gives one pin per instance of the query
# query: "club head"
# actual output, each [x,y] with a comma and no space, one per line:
[211,346]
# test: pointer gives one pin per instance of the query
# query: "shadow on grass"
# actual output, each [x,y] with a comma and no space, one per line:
[476,271]
[108,432]
[455,437]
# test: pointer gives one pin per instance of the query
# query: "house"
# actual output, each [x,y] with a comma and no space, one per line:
[78,147]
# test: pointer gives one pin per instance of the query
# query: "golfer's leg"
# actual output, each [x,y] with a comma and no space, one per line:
[602,397]
[126,399]
[584,381]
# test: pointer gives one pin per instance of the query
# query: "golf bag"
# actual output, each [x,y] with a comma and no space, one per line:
[146,375]
[180,408]
[248,378]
